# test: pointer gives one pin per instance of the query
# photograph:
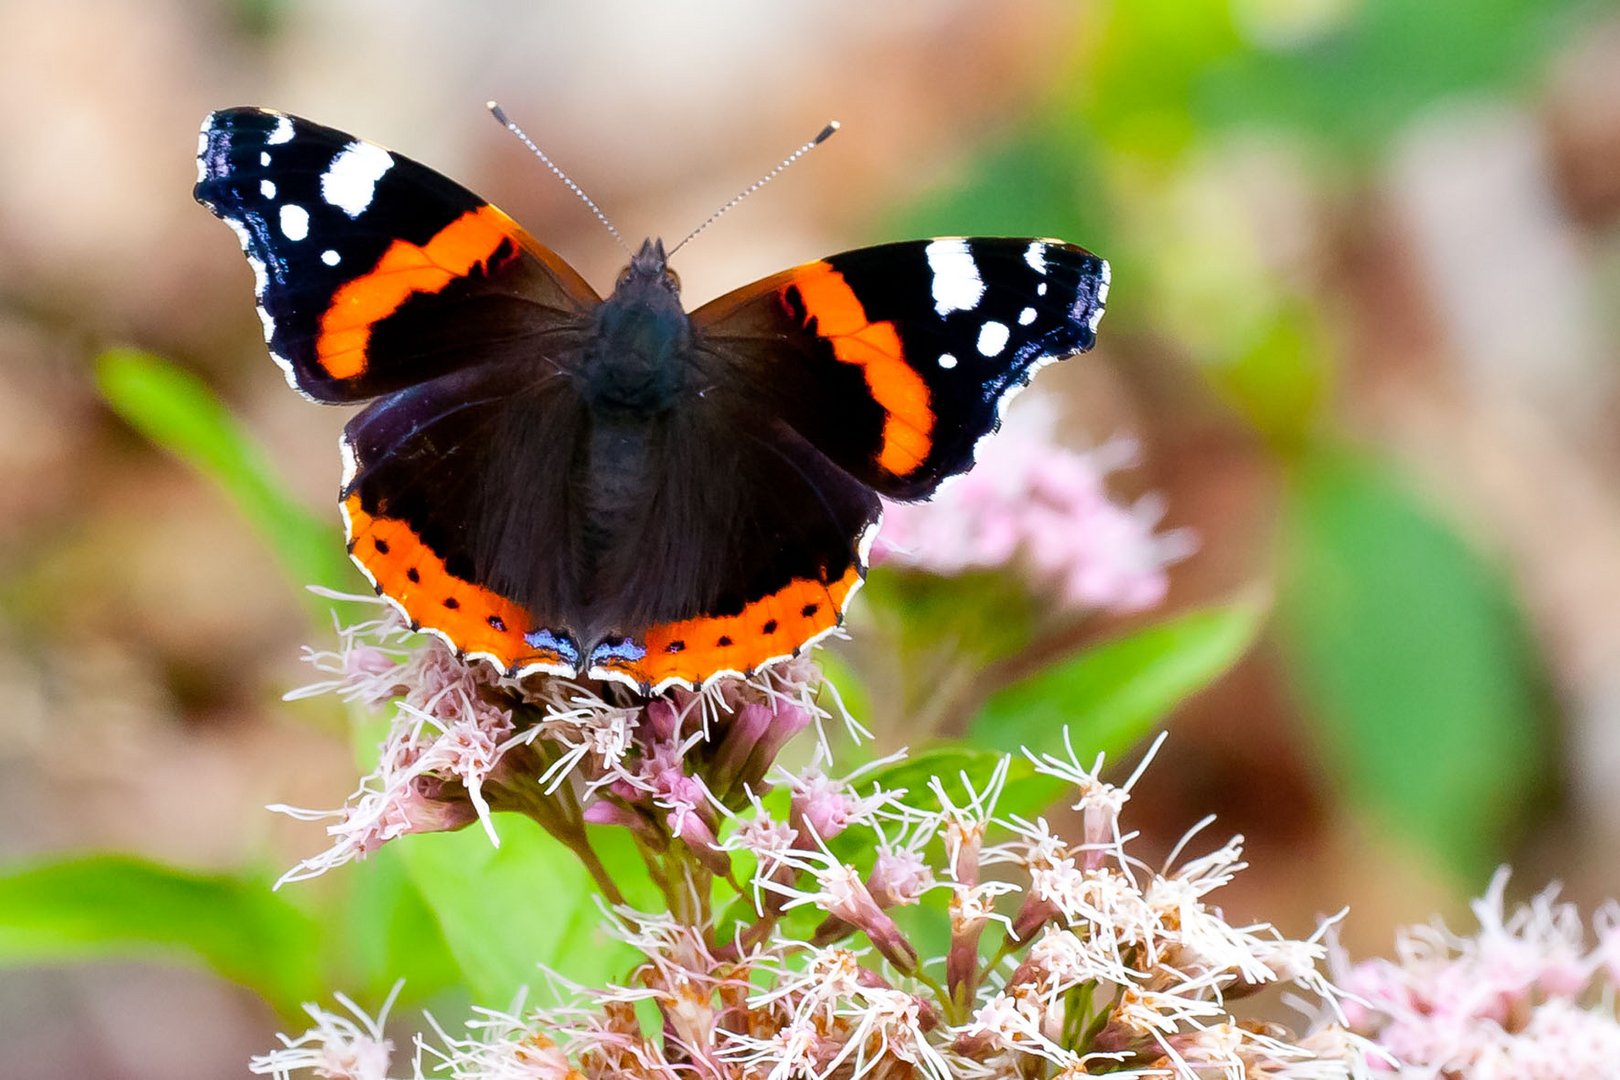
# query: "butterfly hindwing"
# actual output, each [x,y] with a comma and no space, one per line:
[895,360]
[746,545]
[374,272]
[459,508]
[720,541]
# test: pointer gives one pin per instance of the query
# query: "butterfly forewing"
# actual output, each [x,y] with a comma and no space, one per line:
[374,272]
[895,360]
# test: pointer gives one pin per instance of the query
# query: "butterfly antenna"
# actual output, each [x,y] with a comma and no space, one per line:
[825,134]
[506,122]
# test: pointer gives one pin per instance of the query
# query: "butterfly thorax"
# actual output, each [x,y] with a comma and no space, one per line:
[636,362]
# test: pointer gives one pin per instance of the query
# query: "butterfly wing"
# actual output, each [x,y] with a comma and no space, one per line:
[374,272]
[745,546]
[894,361]
[459,507]
[729,546]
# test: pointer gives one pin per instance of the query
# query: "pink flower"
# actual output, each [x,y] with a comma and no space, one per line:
[899,877]
[1040,505]
[823,807]
[338,1047]
[1525,997]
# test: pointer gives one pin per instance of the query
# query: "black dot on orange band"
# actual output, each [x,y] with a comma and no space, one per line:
[724,642]
[793,300]
[809,609]
[413,575]
[381,545]
[497,624]
[675,646]
[452,603]
[769,627]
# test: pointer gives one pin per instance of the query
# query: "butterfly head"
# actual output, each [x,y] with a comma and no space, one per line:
[642,337]
[648,269]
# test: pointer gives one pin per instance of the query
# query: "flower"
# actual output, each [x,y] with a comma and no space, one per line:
[1528,996]
[1036,504]
[465,742]
[338,1047]
[1129,970]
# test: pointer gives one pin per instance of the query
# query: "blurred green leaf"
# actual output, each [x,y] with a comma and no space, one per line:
[1039,182]
[104,906]
[984,614]
[1280,379]
[506,911]
[616,849]
[178,412]
[1111,695]
[1357,80]
[1412,660]
[1159,75]
[1141,80]
[949,763]
[390,934]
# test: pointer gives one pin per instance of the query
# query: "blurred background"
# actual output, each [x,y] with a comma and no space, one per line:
[1363,323]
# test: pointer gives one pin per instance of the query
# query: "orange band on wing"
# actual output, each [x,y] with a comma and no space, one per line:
[777,625]
[406,268]
[874,347]
[410,573]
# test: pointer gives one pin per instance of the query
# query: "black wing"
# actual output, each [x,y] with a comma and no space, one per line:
[374,272]
[895,360]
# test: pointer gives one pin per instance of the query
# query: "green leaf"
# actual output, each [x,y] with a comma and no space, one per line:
[1111,695]
[948,762]
[1412,661]
[1365,76]
[506,911]
[1161,74]
[390,934]
[178,412]
[101,906]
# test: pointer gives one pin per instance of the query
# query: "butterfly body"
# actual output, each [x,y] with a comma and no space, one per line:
[640,354]
[617,488]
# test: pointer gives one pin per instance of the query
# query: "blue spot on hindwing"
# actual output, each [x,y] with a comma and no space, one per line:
[622,650]
[561,644]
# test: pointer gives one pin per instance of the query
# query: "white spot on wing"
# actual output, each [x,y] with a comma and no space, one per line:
[330,257]
[351,180]
[1035,255]
[294,221]
[261,276]
[267,188]
[1102,299]
[264,158]
[283,131]
[269,324]
[957,285]
[351,466]
[1040,290]
[993,338]
[202,148]
[1026,316]
[947,361]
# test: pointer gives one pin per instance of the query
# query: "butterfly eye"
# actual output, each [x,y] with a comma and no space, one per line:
[624,278]
[672,279]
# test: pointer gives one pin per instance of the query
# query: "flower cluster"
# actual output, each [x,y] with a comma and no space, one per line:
[465,742]
[1528,997]
[1064,957]
[1038,505]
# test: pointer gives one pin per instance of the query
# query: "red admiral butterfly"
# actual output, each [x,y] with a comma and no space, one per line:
[616,488]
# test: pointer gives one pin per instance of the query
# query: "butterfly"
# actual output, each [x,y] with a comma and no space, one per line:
[616,488]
